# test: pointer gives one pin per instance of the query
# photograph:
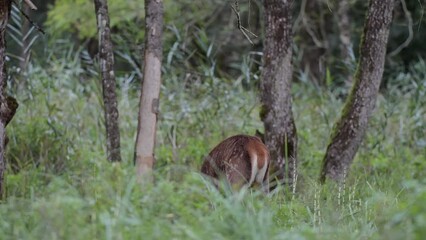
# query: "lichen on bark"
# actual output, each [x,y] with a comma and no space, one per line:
[106,58]
[276,112]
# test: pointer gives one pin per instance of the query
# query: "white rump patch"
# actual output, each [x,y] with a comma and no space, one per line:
[261,174]
[254,169]
[257,174]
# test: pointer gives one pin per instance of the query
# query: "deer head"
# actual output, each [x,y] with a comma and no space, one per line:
[242,160]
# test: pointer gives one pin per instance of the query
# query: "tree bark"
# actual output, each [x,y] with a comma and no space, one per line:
[350,128]
[106,58]
[8,105]
[276,114]
[4,18]
[149,102]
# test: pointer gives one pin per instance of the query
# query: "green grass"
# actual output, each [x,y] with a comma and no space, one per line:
[60,186]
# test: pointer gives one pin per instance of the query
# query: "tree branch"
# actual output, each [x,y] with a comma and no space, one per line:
[31,4]
[28,18]
[308,29]
[240,27]
[410,31]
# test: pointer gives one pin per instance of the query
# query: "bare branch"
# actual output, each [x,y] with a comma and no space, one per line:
[308,29]
[31,4]
[410,31]
[28,18]
[240,27]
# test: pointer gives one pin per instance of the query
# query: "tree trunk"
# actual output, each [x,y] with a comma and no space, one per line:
[149,102]
[346,50]
[350,128]
[8,105]
[106,58]
[280,130]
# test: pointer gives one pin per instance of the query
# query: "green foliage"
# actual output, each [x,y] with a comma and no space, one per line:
[39,142]
[60,123]
[79,16]
[23,37]
[175,11]
[205,37]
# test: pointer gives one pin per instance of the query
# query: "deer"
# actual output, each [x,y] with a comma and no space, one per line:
[242,160]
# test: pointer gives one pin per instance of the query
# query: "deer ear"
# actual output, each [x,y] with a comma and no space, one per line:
[260,135]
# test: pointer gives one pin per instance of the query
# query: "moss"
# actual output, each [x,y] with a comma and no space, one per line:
[263,112]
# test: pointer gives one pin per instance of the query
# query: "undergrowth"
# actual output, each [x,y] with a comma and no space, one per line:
[60,186]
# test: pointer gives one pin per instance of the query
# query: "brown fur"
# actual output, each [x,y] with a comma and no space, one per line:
[232,159]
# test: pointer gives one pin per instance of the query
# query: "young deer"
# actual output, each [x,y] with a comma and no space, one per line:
[242,160]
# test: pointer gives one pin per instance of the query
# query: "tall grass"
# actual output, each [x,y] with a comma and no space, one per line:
[60,186]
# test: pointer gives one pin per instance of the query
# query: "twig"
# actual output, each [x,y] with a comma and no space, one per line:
[240,27]
[31,4]
[28,18]
[410,31]
[308,29]
[249,11]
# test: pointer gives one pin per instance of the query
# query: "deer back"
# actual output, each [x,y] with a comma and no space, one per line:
[241,160]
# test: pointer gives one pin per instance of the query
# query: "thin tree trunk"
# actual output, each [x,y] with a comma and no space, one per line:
[277,116]
[350,128]
[346,50]
[149,102]
[8,105]
[106,57]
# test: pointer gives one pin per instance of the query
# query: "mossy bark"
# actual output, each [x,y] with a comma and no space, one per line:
[106,59]
[280,130]
[350,129]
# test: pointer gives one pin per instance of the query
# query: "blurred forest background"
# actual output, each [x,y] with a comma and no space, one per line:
[59,184]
